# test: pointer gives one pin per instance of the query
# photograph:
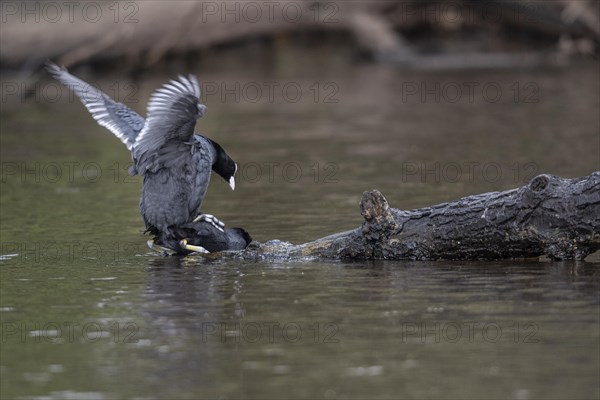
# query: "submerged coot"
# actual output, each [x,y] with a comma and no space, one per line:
[204,237]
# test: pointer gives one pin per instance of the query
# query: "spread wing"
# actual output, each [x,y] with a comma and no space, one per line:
[125,123]
[172,113]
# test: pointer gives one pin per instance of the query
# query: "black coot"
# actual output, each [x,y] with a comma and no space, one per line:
[204,238]
[175,162]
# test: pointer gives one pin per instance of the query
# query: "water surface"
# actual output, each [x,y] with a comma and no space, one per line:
[88,312]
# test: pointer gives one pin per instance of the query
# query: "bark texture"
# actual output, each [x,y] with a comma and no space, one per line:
[550,216]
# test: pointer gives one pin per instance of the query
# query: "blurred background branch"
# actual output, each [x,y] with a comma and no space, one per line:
[418,34]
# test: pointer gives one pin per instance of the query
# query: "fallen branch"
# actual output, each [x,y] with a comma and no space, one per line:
[550,216]
[147,31]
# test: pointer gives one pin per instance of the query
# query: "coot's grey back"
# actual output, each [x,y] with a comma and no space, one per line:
[173,194]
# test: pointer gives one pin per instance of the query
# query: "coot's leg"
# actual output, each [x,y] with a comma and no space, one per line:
[159,248]
[198,249]
[211,219]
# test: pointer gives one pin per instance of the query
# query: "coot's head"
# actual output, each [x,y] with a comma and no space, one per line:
[237,238]
[224,165]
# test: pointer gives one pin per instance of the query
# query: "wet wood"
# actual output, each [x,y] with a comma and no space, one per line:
[551,216]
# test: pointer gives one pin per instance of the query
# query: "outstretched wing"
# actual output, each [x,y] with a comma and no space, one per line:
[172,113]
[125,123]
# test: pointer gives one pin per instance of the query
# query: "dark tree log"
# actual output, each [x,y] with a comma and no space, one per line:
[550,216]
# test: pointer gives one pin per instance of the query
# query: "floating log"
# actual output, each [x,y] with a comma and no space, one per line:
[550,216]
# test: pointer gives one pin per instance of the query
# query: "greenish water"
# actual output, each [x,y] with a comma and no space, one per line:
[88,312]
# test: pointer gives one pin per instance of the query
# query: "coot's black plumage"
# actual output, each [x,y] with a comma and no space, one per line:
[193,236]
[175,161]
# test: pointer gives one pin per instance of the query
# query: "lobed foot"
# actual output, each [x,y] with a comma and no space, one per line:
[211,219]
[198,249]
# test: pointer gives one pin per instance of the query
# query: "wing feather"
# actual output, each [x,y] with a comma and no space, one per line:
[122,121]
[172,113]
